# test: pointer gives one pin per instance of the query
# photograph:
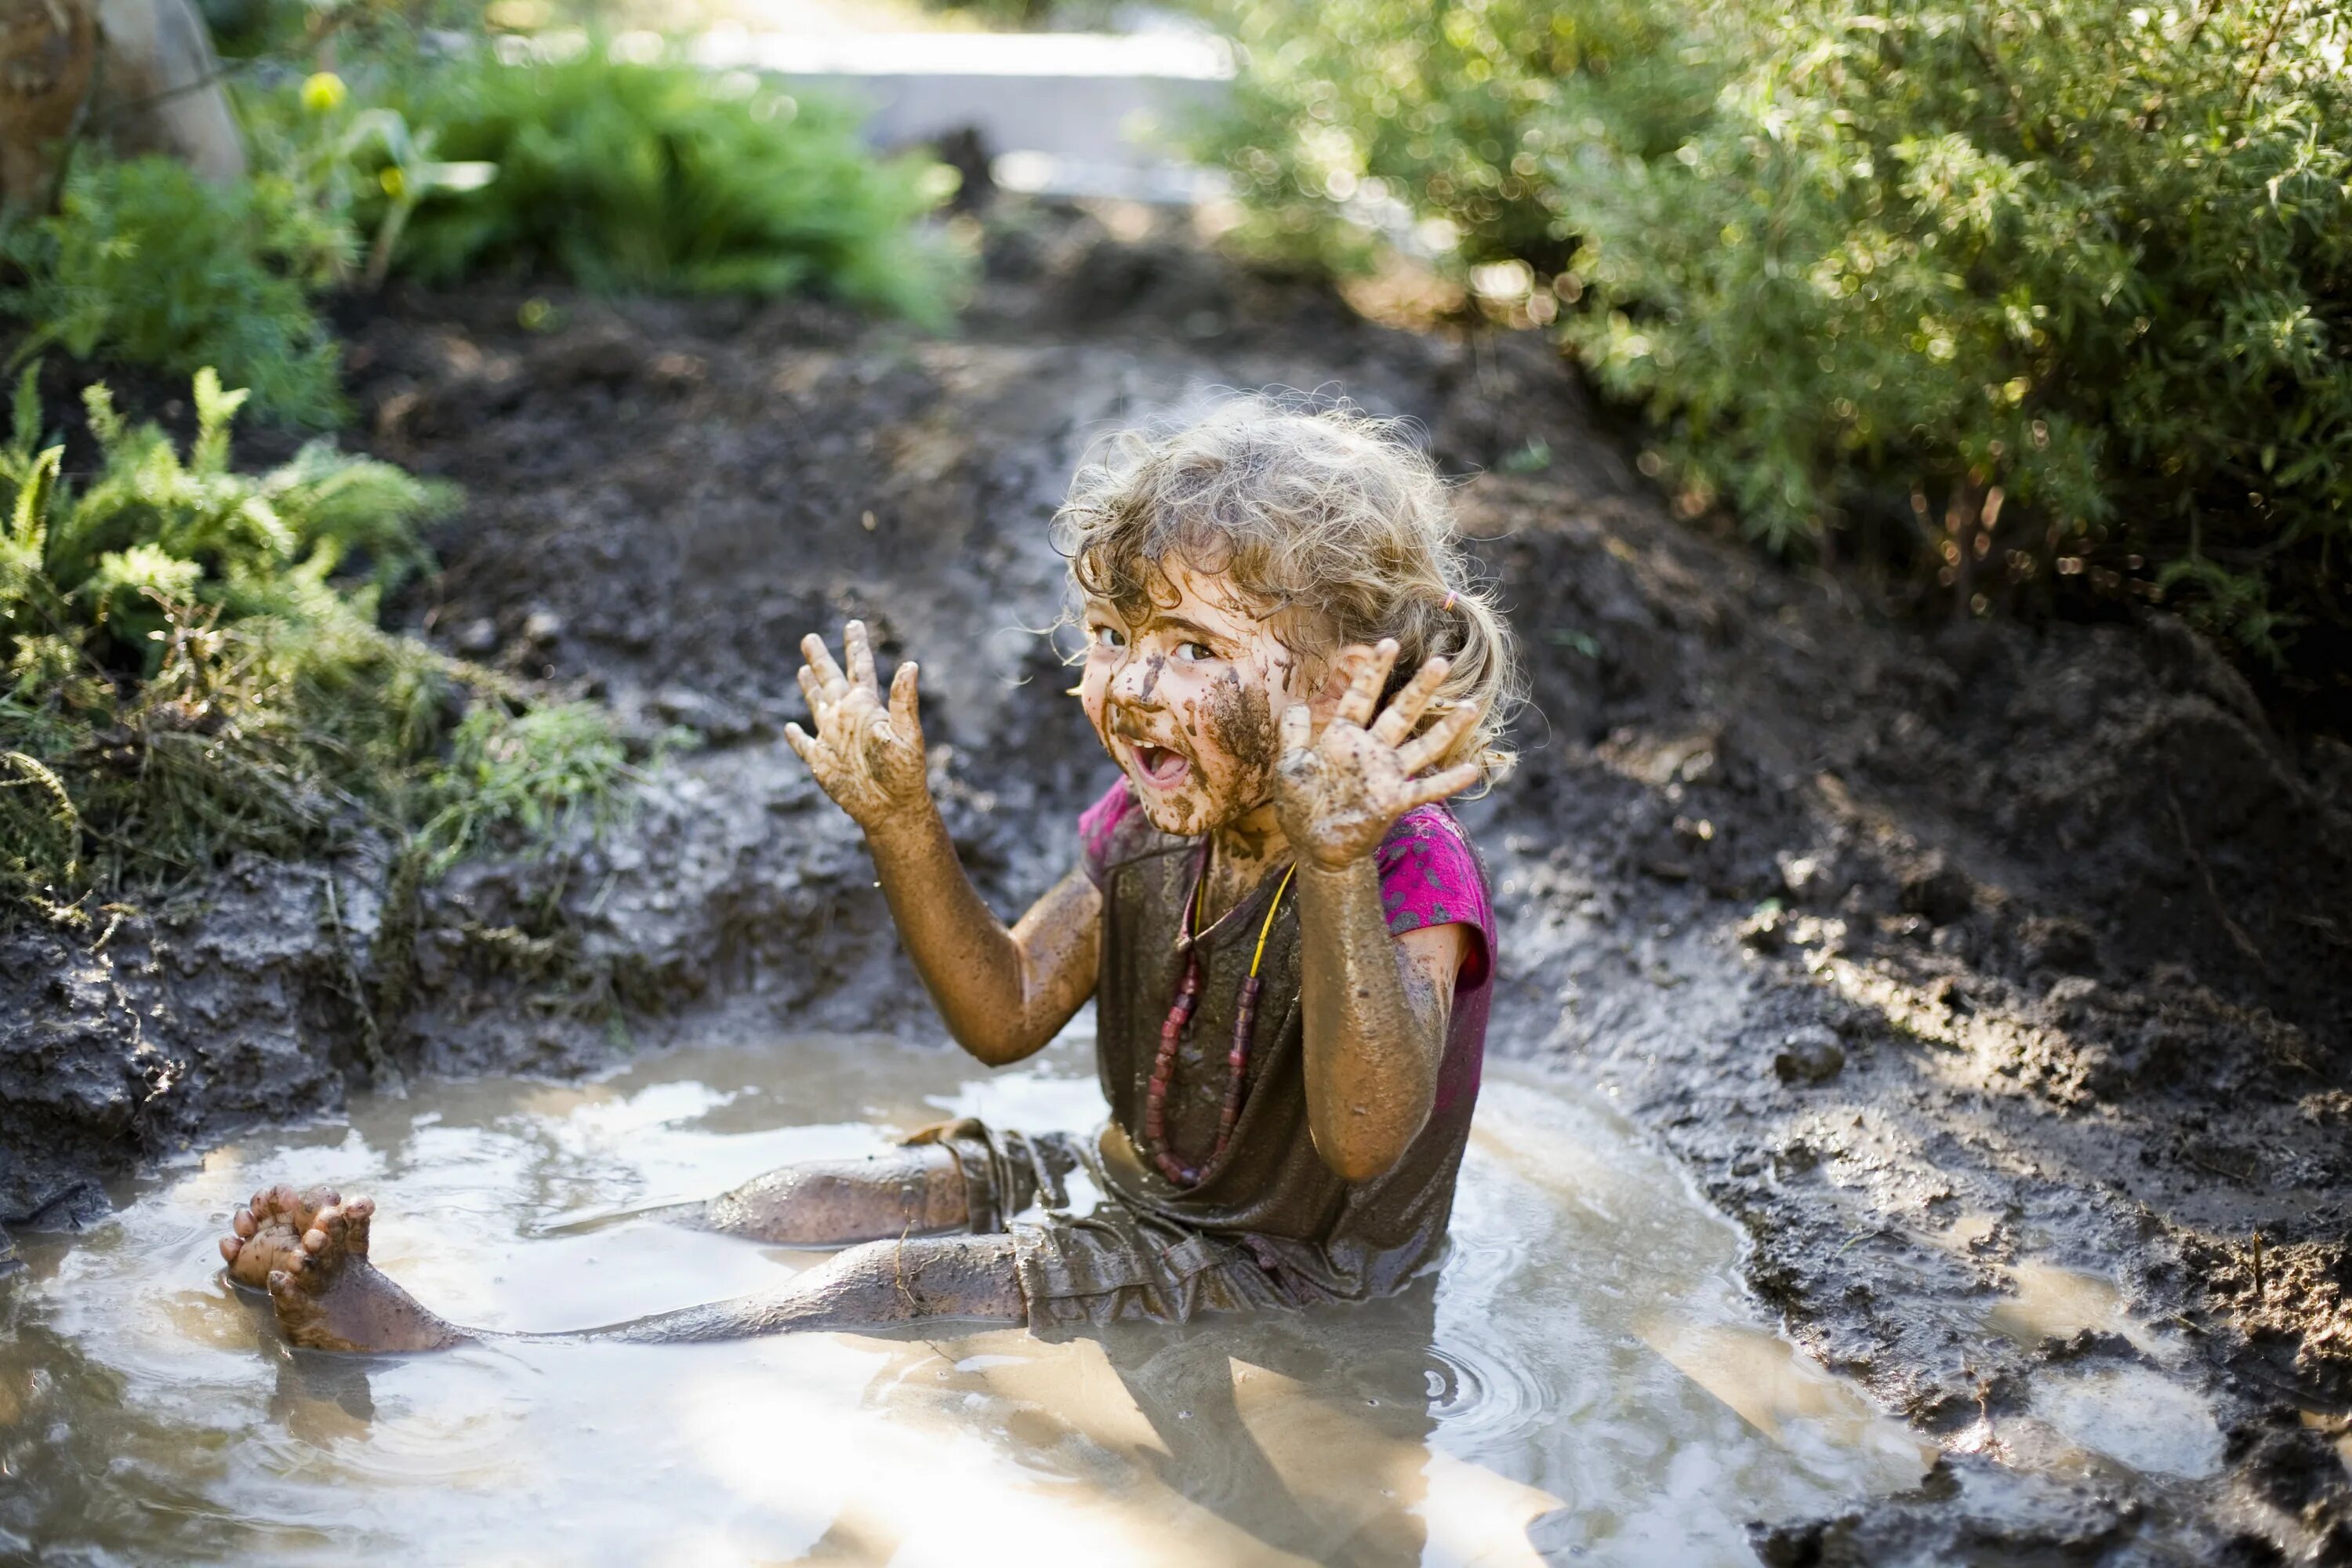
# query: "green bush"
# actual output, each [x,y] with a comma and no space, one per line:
[655,178]
[190,663]
[2062,291]
[145,264]
[621,178]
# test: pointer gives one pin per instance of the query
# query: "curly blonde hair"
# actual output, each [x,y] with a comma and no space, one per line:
[1332,524]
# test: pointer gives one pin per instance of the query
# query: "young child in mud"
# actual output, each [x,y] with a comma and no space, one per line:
[1286,933]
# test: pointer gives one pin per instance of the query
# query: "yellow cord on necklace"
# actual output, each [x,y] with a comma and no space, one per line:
[1263,930]
[1192,907]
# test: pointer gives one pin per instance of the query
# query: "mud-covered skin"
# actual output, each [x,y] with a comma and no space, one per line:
[309,1250]
[1375,1006]
[1002,992]
[1196,674]
[328,1297]
[2002,851]
[831,1203]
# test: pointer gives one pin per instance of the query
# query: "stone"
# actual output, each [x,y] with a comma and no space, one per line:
[1810,1055]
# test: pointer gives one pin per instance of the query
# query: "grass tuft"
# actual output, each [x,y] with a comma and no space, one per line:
[191,665]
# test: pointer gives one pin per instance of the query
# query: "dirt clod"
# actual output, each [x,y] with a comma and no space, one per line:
[1810,1055]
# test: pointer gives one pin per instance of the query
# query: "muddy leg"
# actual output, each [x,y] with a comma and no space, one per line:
[329,1297]
[880,1284]
[833,1203]
[268,1231]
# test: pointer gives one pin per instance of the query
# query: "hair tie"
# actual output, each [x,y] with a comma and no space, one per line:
[1449,601]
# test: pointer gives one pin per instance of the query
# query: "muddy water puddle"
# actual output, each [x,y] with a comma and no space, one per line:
[1585,1381]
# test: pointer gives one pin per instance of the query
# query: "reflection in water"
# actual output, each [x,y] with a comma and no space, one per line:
[1585,1379]
[2135,1416]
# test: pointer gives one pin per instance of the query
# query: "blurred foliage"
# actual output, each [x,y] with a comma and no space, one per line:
[427,153]
[145,264]
[656,177]
[2060,291]
[190,663]
[1009,16]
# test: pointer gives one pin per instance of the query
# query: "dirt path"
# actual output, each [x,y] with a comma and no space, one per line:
[1967,970]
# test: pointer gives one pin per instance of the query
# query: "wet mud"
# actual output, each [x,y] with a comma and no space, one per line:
[1996,979]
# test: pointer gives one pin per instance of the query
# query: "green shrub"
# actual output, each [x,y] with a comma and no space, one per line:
[2062,289]
[663,179]
[657,178]
[145,264]
[190,663]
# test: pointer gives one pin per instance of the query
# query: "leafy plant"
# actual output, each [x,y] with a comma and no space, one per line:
[667,178]
[145,263]
[193,665]
[2059,291]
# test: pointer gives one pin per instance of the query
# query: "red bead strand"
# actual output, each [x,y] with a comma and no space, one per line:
[1171,1040]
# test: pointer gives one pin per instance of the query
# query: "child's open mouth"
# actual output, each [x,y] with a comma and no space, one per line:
[1162,768]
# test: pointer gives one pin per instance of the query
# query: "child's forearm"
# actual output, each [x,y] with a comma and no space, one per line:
[1002,992]
[1375,1024]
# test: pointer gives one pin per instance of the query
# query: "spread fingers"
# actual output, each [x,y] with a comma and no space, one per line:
[902,697]
[1405,709]
[1438,739]
[820,660]
[1363,695]
[1437,786]
[860,655]
[1298,727]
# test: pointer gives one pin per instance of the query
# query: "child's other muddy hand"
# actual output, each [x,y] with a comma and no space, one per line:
[867,752]
[1337,793]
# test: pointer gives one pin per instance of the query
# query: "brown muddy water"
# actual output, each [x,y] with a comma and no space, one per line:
[1586,1380]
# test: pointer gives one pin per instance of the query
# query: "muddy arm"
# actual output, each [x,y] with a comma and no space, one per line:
[1376,1005]
[1376,1011]
[1002,993]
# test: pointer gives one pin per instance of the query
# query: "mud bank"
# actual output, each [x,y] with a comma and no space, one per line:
[1996,979]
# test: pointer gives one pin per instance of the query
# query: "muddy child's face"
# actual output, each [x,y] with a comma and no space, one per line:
[1186,698]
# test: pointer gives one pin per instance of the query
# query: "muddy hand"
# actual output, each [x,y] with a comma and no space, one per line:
[1337,793]
[866,754]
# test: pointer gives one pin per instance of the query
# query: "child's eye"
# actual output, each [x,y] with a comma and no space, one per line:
[1110,637]
[1194,652]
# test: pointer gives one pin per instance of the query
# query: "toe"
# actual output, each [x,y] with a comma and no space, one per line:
[343,1227]
[243,1223]
[230,1247]
[311,1202]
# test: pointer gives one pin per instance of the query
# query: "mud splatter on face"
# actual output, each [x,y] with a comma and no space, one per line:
[1241,721]
[1126,725]
[1241,725]
[1151,671]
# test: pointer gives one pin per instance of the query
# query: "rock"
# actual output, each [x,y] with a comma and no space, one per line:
[479,638]
[1810,1055]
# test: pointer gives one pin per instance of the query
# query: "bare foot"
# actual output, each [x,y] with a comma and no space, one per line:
[270,1231]
[328,1295]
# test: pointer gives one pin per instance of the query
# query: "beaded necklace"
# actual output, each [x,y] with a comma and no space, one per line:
[1171,1037]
